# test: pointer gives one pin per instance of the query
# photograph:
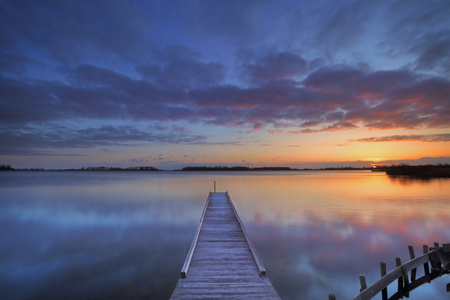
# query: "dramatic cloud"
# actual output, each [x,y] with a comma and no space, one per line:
[16,140]
[278,67]
[184,74]
[73,32]
[422,32]
[329,99]
[401,138]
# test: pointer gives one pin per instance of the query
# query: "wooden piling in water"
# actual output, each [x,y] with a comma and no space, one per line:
[362,281]
[426,266]
[438,257]
[384,292]
[412,256]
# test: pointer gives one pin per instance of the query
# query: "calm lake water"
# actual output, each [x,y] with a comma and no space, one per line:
[125,235]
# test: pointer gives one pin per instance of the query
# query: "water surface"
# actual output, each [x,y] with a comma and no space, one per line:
[120,235]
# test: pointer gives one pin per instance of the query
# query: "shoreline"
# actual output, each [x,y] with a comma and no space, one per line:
[186,169]
[422,171]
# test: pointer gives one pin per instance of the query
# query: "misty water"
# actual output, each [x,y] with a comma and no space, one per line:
[125,235]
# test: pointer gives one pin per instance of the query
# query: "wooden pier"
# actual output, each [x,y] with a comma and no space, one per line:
[222,261]
[406,274]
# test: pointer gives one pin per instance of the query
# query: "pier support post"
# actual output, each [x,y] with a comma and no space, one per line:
[403,281]
[362,280]
[384,292]
[398,263]
[438,257]
[435,264]
[426,266]
[412,256]
[446,248]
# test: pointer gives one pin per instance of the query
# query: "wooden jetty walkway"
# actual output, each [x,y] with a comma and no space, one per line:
[222,262]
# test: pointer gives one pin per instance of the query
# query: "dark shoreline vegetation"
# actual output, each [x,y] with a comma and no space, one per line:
[185,169]
[236,168]
[143,168]
[422,171]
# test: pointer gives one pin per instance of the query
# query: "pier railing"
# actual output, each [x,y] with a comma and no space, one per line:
[258,261]
[187,262]
[405,274]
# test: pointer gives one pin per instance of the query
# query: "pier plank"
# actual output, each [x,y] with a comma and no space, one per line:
[222,264]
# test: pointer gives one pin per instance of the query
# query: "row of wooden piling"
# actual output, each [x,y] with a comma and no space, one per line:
[405,274]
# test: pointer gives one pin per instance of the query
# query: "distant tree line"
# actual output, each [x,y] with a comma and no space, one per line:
[235,168]
[423,171]
[6,168]
[142,168]
[341,168]
[146,168]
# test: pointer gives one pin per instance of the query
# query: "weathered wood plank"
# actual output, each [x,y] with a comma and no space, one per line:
[222,262]
[437,256]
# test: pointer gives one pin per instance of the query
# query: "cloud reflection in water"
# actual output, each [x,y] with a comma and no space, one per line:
[111,239]
[123,235]
[317,234]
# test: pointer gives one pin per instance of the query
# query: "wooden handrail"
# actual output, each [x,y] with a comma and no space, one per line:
[258,261]
[438,257]
[395,274]
[188,259]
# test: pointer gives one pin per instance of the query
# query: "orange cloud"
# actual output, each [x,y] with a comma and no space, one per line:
[406,138]
[275,131]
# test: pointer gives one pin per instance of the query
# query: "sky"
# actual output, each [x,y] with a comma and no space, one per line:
[203,83]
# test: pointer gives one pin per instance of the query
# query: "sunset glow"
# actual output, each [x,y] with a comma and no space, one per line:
[293,83]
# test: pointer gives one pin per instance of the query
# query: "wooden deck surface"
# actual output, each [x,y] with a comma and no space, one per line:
[222,265]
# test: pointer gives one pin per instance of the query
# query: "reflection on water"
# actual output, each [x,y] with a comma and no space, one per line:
[109,235]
